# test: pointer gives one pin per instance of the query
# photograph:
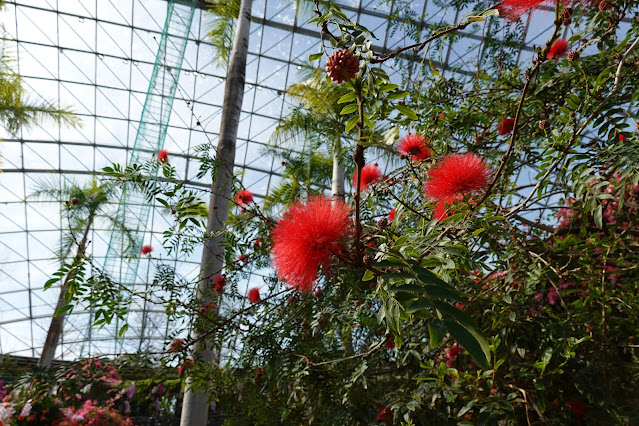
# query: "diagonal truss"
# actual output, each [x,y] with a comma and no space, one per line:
[133,209]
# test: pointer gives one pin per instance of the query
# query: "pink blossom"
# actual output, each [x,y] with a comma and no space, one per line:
[452,354]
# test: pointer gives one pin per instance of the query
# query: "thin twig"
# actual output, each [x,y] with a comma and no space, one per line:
[418,46]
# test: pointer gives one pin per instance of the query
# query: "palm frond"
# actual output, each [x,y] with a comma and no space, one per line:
[297,126]
[17,110]
[131,237]
[222,29]
[305,174]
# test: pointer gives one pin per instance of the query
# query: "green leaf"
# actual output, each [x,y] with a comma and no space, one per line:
[427,277]
[50,282]
[393,313]
[541,402]
[418,305]
[368,275]
[443,293]
[380,73]
[351,123]
[348,109]
[163,202]
[315,56]
[62,310]
[434,70]
[476,345]
[504,405]
[407,287]
[388,87]
[457,314]
[396,275]
[390,263]
[398,341]
[368,123]
[436,333]
[466,408]
[406,111]
[398,95]
[349,97]
[123,329]
[599,216]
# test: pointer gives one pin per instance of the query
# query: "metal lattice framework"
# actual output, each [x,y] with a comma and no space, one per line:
[100,57]
[133,209]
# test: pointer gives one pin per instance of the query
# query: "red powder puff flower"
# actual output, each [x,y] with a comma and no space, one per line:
[384,414]
[220,283]
[176,345]
[456,176]
[163,156]
[244,197]
[391,215]
[390,342]
[254,295]
[559,49]
[243,258]
[207,308]
[370,175]
[415,146]
[306,237]
[506,126]
[577,409]
[146,249]
[185,366]
[513,9]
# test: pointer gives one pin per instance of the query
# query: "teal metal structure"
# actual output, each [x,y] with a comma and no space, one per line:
[133,208]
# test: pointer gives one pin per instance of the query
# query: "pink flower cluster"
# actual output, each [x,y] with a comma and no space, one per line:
[91,415]
[452,353]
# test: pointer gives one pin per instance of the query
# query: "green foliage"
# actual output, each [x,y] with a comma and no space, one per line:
[516,308]
[303,176]
[82,207]
[16,110]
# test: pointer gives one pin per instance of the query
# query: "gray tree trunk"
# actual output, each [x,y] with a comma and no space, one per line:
[195,404]
[338,173]
[57,322]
